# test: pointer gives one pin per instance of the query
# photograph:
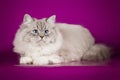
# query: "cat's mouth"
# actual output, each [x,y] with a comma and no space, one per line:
[41,41]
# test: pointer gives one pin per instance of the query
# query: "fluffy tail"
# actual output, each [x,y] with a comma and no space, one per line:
[97,52]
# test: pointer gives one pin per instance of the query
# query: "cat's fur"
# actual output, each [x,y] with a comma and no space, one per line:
[62,43]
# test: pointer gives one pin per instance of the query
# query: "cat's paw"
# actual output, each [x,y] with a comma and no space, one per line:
[55,59]
[25,60]
[40,61]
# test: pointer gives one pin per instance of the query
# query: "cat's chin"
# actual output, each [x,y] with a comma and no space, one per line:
[41,41]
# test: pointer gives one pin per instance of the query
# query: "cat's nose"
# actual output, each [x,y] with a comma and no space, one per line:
[41,36]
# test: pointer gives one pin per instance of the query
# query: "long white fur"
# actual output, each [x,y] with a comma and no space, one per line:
[72,42]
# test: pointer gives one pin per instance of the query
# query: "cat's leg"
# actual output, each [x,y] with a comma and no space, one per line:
[25,60]
[53,59]
[43,60]
[98,52]
[68,55]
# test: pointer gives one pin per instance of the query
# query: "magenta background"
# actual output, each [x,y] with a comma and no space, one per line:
[101,17]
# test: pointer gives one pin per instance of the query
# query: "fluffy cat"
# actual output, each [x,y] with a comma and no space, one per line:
[43,41]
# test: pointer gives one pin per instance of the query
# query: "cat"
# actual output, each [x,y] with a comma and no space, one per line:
[43,41]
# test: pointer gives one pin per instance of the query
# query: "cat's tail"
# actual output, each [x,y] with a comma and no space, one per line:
[98,52]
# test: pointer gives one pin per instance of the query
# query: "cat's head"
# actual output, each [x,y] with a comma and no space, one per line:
[40,31]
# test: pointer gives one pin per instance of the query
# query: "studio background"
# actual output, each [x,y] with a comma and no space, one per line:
[101,17]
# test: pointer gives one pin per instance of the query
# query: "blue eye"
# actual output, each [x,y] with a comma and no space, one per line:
[35,31]
[46,31]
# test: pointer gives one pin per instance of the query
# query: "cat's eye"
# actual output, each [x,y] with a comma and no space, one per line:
[35,31]
[46,31]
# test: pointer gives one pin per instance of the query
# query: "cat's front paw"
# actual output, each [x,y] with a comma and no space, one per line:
[55,59]
[40,61]
[25,60]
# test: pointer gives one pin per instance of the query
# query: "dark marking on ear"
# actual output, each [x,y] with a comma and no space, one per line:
[46,19]
[34,19]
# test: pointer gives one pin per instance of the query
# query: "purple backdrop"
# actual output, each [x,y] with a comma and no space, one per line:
[101,17]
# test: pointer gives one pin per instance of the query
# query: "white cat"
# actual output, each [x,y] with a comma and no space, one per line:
[43,41]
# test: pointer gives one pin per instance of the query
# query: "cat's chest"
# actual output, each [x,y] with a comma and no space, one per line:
[41,50]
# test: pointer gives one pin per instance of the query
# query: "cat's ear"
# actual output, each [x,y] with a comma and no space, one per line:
[27,18]
[51,19]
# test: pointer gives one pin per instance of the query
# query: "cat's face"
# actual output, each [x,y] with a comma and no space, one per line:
[39,31]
